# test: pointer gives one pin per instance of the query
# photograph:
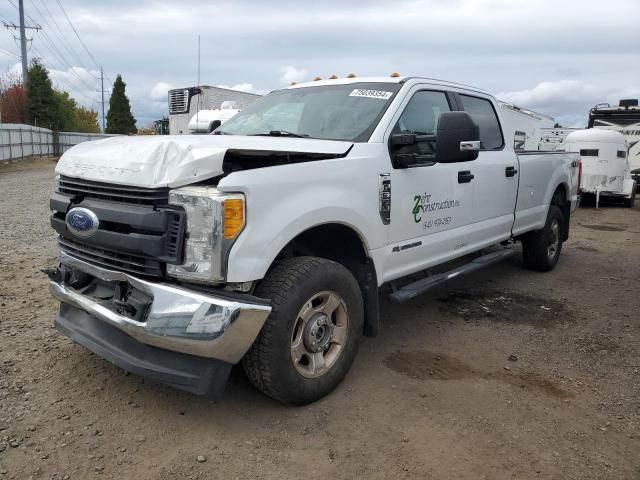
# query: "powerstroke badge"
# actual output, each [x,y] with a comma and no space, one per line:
[362,92]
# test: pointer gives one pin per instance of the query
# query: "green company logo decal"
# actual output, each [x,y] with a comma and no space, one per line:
[423,204]
[417,208]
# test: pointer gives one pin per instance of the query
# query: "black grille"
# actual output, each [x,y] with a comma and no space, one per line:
[106,258]
[115,193]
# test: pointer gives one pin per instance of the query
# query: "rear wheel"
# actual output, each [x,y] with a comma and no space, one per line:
[311,337]
[541,249]
[631,201]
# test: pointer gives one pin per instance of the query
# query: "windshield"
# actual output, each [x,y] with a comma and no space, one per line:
[331,112]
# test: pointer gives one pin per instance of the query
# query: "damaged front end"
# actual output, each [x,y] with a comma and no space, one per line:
[177,336]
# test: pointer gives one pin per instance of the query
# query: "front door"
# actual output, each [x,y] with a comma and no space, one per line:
[431,202]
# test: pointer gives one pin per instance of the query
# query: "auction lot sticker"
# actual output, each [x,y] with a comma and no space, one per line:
[363,92]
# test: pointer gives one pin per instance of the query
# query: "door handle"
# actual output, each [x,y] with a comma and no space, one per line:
[465,176]
[510,171]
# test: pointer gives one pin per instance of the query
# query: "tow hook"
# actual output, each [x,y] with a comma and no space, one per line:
[54,274]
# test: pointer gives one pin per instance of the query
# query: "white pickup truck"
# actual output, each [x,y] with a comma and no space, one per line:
[266,242]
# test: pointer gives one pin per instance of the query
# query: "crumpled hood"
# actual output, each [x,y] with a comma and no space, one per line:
[173,161]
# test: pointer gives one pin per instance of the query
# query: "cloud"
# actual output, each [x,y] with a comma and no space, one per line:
[550,94]
[160,90]
[244,87]
[517,48]
[569,101]
[292,74]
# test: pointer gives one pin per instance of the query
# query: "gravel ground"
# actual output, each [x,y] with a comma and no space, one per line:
[503,374]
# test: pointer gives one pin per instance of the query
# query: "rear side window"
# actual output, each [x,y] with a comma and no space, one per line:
[485,116]
[622,154]
[589,152]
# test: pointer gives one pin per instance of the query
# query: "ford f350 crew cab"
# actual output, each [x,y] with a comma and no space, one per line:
[266,242]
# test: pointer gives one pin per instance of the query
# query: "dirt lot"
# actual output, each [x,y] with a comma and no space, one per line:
[505,374]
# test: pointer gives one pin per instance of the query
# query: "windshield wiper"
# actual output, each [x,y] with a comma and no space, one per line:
[220,132]
[281,133]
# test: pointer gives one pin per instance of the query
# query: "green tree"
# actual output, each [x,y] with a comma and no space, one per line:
[66,108]
[119,118]
[42,106]
[87,120]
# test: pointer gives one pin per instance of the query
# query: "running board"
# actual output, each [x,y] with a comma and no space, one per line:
[419,287]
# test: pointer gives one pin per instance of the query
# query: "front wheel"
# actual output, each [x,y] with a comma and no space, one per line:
[541,249]
[311,336]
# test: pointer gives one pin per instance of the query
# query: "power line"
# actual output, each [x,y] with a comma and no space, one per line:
[48,42]
[57,53]
[62,80]
[10,54]
[77,34]
[63,40]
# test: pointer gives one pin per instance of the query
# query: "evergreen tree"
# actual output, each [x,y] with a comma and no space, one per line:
[42,106]
[119,118]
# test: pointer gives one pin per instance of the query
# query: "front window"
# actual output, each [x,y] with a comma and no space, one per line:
[330,112]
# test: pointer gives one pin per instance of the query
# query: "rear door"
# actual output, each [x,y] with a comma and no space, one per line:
[431,202]
[495,176]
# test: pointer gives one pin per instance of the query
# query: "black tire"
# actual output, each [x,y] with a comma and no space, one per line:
[631,201]
[536,245]
[290,284]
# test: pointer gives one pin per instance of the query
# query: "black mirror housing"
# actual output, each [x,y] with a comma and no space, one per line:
[457,138]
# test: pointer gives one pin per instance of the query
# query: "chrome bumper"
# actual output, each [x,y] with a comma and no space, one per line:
[178,319]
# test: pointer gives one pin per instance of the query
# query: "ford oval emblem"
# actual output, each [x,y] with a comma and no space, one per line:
[82,222]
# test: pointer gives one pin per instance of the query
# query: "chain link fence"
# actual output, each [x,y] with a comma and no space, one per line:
[18,141]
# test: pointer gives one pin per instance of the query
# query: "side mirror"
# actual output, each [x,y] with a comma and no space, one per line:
[457,138]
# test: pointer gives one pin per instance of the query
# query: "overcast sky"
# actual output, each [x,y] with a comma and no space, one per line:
[555,57]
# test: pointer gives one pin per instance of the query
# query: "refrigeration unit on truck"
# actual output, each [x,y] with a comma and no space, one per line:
[523,127]
[267,242]
[623,118]
[184,103]
[605,165]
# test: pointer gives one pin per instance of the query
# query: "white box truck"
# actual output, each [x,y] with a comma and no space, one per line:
[184,103]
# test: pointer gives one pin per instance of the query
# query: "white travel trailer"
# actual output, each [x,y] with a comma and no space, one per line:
[206,121]
[623,118]
[524,126]
[605,164]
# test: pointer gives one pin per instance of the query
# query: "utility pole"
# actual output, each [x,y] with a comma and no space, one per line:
[23,39]
[104,127]
[23,43]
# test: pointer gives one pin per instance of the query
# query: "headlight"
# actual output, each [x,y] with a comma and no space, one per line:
[214,221]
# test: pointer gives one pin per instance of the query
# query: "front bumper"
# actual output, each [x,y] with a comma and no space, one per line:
[174,320]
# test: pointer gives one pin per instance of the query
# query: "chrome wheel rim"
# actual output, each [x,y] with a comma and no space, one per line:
[319,334]
[554,239]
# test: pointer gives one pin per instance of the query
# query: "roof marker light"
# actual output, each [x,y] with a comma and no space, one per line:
[333,77]
[317,78]
[395,75]
[351,75]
